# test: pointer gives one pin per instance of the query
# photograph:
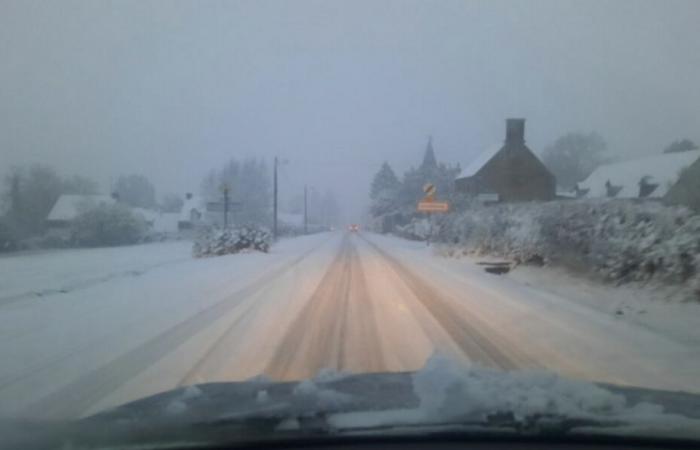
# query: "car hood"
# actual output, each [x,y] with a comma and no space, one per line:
[444,396]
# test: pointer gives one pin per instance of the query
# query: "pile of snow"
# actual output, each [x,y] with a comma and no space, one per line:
[217,242]
[452,392]
[621,240]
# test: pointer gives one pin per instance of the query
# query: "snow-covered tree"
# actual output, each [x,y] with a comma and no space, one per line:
[31,193]
[136,190]
[107,225]
[171,203]
[384,190]
[683,145]
[384,180]
[250,185]
[573,157]
[78,184]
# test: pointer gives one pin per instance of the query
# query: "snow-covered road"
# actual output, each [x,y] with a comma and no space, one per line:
[85,330]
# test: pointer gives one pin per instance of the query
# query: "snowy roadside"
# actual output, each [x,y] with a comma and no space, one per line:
[45,273]
[655,308]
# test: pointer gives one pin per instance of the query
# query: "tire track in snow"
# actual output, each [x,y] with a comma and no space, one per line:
[77,396]
[470,334]
[335,329]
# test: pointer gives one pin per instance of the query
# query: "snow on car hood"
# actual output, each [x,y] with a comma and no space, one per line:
[444,392]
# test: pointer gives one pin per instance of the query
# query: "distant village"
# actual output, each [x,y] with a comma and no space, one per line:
[575,167]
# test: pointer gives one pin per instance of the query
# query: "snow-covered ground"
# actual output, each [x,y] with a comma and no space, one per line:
[113,300]
[114,325]
[654,307]
[564,326]
[54,272]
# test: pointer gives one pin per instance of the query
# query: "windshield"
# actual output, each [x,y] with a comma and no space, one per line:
[489,208]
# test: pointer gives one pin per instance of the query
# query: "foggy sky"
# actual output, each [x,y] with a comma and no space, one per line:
[173,89]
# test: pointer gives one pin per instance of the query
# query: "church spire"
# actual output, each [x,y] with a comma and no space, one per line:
[429,161]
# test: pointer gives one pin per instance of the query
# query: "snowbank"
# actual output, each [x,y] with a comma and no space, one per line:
[621,240]
[217,242]
[453,392]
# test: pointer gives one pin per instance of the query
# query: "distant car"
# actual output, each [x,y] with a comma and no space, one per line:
[354,227]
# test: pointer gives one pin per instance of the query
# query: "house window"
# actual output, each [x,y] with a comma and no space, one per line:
[646,187]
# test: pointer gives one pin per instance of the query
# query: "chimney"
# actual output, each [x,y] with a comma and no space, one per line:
[515,131]
[188,196]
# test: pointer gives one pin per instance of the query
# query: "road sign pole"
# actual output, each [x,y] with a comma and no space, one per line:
[225,206]
[306,211]
[274,203]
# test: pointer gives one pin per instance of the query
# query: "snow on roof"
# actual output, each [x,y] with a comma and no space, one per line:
[480,161]
[68,206]
[663,169]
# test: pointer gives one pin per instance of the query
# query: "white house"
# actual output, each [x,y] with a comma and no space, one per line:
[68,206]
[647,177]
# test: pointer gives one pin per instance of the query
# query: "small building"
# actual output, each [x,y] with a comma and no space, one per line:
[508,172]
[192,213]
[68,206]
[654,177]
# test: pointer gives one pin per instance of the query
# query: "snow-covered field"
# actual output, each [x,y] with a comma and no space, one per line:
[84,330]
[100,303]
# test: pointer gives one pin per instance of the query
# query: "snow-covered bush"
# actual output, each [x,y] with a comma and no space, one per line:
[107,225]
[621,240]
[217,242]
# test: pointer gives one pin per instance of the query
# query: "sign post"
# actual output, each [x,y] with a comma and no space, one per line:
[225,189]
[430,206]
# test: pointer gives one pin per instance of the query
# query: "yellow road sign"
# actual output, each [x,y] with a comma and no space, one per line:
[433,206]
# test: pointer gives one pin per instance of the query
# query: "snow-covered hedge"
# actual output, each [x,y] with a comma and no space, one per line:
[217,242]
[621,240]
[107,225]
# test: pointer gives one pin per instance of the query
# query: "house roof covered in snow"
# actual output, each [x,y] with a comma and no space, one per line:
[662,170]
[68,206]
[480,161]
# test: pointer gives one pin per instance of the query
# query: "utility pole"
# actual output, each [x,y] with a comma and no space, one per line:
[306,212]
[225,189]
[274,202]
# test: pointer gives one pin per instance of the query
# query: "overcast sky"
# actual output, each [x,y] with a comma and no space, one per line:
[171,89]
